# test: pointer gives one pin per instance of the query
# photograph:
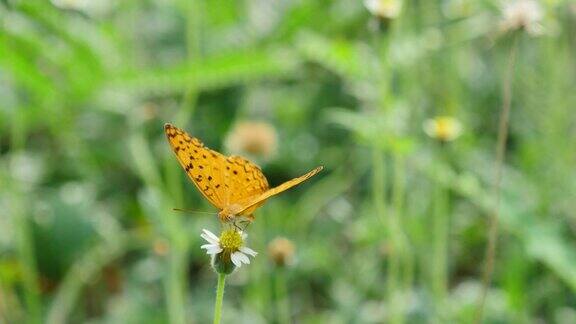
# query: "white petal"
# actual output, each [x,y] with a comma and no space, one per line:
[214,250]
[242,257]
[210,237]
[236,260]
[244,235]
[249,251]
[209,246]
[206,237]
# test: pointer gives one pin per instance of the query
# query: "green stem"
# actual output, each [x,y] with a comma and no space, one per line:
[282,299]
[399,262]
[392,285]
[26,253]
[194,28]
[440,237]
[176,287]
[379,185]
[219,298]
[498,170]
[393,228]
[404,271]
[23,226]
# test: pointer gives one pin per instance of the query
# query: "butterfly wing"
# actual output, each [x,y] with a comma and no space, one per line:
[203,165]
[225,181]
[244,179]
[258,200]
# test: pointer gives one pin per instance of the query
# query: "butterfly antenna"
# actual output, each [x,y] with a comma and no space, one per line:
[192,211]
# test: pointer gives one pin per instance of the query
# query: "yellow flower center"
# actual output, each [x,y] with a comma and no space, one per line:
[444,128]
[230,240]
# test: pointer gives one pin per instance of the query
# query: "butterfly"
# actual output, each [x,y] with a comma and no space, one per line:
[234,185]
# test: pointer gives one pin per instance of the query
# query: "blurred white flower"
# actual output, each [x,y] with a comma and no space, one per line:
[384,8]
[252,139]
[230,245]
[75,192]
[27,168]
[443,128]
[522,14]
[70,4]
[90,7]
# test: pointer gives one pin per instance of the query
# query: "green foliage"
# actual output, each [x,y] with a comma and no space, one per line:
[393,230]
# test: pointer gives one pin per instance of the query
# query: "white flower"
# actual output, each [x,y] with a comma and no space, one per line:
[522,14]
[214,246]
[230,243]
[384,8]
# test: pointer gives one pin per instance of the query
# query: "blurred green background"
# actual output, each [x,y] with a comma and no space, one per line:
[393,230]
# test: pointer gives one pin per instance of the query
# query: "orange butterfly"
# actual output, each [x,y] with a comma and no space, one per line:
[232,184]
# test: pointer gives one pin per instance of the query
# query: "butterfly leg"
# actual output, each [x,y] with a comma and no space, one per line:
[245,225]
[242,223]
[238,228]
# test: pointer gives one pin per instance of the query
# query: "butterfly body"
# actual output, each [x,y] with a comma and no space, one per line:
[233,211]
[234,185]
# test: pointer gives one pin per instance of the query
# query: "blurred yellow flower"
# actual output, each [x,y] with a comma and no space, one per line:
[443,128]
[281,251]
[252,138]
[384,8]
[522,14]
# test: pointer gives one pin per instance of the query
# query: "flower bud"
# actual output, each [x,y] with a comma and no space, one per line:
[253,139]
[281,251]
[222,263]
[522,15]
